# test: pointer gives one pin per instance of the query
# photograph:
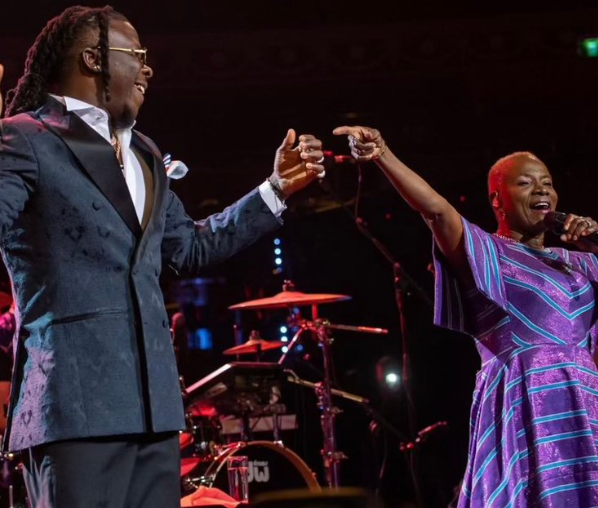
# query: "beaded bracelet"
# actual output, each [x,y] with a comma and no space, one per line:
[276,189]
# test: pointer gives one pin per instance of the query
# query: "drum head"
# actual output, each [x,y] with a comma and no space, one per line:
[185,439]
[271,467]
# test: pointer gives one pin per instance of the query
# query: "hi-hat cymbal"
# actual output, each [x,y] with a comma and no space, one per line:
[253,346]
[289,299]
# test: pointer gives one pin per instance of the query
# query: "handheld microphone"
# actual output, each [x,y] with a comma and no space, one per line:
[555,222]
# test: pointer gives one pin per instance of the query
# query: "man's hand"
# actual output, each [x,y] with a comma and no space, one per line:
[294,168]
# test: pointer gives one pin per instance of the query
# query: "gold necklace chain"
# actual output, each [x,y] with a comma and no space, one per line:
[118,150]
[509,239]
[557,264]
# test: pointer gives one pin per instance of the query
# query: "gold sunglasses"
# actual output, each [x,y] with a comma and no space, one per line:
[139,53]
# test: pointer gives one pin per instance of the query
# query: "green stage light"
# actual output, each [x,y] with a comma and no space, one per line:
[589,47]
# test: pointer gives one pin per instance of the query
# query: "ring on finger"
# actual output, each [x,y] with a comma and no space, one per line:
[320,160]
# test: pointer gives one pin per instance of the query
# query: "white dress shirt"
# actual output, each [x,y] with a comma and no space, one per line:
[98,120]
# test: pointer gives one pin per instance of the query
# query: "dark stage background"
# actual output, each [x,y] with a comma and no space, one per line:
[453,86]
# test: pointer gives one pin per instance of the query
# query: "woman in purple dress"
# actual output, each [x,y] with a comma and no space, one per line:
[532,313]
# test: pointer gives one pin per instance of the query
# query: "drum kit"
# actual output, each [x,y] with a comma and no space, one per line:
[239,396]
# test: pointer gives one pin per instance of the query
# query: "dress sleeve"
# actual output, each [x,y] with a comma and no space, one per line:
[459,308]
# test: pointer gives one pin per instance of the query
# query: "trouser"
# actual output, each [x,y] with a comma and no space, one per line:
[112,472]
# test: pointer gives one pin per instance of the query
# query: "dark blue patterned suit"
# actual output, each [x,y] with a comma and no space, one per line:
[94,356]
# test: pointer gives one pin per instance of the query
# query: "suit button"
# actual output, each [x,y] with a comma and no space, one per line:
[96,205]
[157,272]
[164,323]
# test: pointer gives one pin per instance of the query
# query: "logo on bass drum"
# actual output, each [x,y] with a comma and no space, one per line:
[258,471]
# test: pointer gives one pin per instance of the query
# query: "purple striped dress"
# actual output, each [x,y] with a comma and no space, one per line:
[534,418]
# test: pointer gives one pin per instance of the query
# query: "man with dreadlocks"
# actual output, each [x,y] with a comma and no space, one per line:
[86,222]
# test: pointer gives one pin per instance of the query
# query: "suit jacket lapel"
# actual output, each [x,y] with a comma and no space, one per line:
[96,156]
[153,159]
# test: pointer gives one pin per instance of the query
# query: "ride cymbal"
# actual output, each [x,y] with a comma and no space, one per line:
[253,346]
[289,299]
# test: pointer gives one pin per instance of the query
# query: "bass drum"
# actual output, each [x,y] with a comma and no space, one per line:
[271,467]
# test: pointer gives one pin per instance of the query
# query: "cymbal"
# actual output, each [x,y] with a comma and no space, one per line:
[253,346]
[289,299]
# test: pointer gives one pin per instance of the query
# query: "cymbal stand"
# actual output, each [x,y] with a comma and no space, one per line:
[330,455]
[291,344]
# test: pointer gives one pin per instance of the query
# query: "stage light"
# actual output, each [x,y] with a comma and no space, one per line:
[589,47]
[284,349]
[203,339]
[284,338]
[277,251]
[283,329]
[392,379]
[278,261]
[277,241]
[388,374]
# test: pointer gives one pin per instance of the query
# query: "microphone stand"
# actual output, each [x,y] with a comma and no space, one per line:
[405,445]
[402,282]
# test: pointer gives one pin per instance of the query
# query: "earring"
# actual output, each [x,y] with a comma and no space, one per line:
[97,68]
[502,213]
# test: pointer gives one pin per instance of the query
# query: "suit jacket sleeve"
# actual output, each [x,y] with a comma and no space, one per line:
[18,173]
[189,246]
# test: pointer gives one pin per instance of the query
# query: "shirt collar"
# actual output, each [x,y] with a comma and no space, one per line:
[95,117]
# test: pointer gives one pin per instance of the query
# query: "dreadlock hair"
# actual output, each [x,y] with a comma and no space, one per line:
[48,55]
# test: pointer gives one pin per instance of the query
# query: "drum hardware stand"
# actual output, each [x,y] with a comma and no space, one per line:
[330,455]
[275,410]
[246,424]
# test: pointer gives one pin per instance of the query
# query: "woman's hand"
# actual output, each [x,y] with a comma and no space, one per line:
[576,228]
[366,143]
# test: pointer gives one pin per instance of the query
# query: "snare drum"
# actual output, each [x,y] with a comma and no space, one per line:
[271,467]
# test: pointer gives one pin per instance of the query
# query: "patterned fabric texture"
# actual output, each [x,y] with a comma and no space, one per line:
[534,418]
